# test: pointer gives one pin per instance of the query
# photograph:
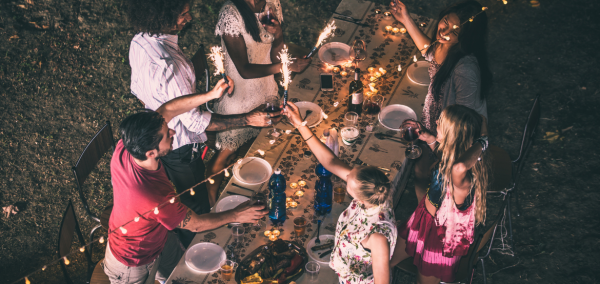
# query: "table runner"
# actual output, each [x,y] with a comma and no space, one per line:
[287,152]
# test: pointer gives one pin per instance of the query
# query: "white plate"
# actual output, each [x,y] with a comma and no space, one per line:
[230,202]
[335,53]
[204,257]
[418,73]
[315,254]
[392,116]
[315,117]
[253,171]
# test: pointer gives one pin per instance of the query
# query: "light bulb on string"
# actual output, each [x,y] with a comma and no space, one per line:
[27,280]
[324,115]
[455,27]
[415,58]
[239,161]
[425,46]
[82,249]
[101,240]
[66,260]
[44,268]
[136,219]
[505,2]
[211,181]
[484,8]
[399,68]
[471,19]
[123,230]
[192,192]
[172,200]
[226,172]
[156,210]
[261,152]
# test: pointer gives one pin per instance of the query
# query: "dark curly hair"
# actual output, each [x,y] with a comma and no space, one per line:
[154,16]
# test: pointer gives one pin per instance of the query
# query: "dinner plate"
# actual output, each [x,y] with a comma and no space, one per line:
[392,116]
[418,73]
[315,117]
[204,257]
[335,53]
[230,202]
[252,171]
[315,254]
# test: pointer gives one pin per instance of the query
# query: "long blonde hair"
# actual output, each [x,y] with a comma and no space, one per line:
[459,126]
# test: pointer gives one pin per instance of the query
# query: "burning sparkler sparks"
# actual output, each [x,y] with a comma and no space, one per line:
[327,32]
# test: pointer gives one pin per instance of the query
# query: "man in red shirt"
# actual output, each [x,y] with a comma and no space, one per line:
[143,249]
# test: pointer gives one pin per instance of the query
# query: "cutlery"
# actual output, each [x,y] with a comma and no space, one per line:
[308,112]
[348,17]
[235,193]
[325,253]
[235,184]
[382,136]
[350,21]
[317,241]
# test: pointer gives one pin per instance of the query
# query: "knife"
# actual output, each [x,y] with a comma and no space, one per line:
[354,22]
[235,184]
[348,17]
[235,193]
[325,253]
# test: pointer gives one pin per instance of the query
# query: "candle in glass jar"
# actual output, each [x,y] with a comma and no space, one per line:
[388,28]
[336,69]
[377,74]
[293,185]
[267,233]
[302,183]
[403,30]
[372,79]
[272,238]
[344,73]
[293,204]
[372,85]
[299,193]
[371,69]
[387,14]
[289,199]
[383,71]
[275,233]
[395,30]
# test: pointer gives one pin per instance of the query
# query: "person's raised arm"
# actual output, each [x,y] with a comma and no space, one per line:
[401,14]
[244,213]
[186,103]
[322,152]
[460,180]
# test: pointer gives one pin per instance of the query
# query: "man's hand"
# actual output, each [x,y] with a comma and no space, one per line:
[298,65]
[221,87]
[262,119]
[246,213]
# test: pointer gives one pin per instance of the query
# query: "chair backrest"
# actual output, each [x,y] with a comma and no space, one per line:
[530,127]
[201,63]
[93,152]
[501,175]
[68,227]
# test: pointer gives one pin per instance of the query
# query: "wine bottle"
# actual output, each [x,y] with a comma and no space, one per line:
[355,101]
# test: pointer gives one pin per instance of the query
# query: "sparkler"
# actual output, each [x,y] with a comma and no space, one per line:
[328,31]
[216,55]
[286,73]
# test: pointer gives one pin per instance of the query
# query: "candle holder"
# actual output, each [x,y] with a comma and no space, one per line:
[289,199]
[293,185]
[377,74]
[402,31]
[377,11]
[293,204]
[387,15]
[371,69]
[344,73]
[336,70]
[299,193]
[395,30]
[388,29]
[275,233]
[267,233]
[382,71]
[302,183]
[272,238]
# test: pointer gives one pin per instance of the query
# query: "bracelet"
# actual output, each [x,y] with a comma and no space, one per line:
[432,142]
[483,140]
[309,137]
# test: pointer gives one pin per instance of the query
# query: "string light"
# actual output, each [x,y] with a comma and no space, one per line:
[471,19]
[261,152]
[336,104]
[226,172]
[425,46]
[44,268]
[156,210]
[415,58]
[484,8]
[136,219]
[101,240]
[66,260]
[455,27]
[239,161]
[172,200]
[399,68]
[123,230]
[82,249]
[211,181]
[192,192]
[27,281]
[505,2]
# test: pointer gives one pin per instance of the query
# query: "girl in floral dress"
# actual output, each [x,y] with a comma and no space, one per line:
[366,231]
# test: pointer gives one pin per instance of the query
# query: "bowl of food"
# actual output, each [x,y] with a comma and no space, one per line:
[277,262]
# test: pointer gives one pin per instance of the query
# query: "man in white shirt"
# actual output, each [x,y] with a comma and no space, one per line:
[160,72]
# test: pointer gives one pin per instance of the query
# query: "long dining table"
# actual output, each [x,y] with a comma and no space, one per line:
[384,50]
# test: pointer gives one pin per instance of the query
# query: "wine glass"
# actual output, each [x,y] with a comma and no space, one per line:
[358,51]
[373,106]
[266,17]
[259,198]
[410,133]
[273,107]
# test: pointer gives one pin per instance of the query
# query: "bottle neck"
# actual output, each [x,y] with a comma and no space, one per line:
[356,75]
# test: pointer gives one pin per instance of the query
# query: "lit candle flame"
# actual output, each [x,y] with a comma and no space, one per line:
[211,181]
[328,31]
[261,152]
[27,280]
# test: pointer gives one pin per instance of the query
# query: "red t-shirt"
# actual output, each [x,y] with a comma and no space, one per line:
[135,191]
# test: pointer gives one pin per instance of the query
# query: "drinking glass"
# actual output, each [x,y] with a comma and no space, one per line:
[358,52]
[300,226]
[351,119]
[373,105]
[339,194]
[350,133]
[238,233]
[227,269]
[259,198]
[312,271]
[273,107]
[409,132]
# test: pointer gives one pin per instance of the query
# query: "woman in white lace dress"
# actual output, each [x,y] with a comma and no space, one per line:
[250,51]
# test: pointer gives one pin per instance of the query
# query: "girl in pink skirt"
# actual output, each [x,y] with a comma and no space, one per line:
[441,229]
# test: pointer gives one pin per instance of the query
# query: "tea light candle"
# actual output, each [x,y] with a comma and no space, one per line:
[336,69]
[275,233]
[289,199]
[372,79]
[299,193]
[272,238]
[383,71]
[387,14]
[377,74]
[403,30]
[388,28]
[371,69]
[368,94]
[302,183]
[395,30]
[377,11]
[267,233]
[372,85]
[293,185]
[344,73]
[293,204]
[374,91]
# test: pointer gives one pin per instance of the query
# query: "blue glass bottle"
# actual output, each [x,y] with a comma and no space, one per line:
[323,191]
[277,197]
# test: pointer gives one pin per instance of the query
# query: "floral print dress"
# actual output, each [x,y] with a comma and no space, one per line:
[351,261]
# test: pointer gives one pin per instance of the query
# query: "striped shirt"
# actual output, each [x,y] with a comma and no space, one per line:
[160,72]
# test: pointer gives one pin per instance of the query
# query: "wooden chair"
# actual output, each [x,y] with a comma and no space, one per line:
[93,152]
[468,263]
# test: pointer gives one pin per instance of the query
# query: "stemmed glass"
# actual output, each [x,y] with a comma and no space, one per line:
[358,51]
[259,198]
[273,107]
[410,133]
[373,106]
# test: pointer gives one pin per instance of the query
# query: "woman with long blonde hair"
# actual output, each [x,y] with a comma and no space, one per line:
[441,229]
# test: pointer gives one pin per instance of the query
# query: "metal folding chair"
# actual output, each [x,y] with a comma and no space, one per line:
[100,144]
